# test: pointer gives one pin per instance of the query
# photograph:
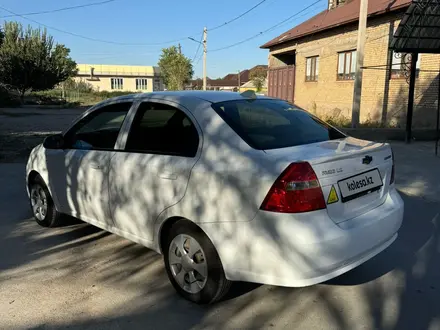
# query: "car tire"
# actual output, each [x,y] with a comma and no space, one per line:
[42,206]
[193,265]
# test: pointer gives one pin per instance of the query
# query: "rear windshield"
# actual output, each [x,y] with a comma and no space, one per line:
[272,124]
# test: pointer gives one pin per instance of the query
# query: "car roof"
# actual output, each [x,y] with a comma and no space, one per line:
[209,96]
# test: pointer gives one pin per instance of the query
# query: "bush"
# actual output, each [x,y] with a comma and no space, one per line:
[107,94]
[7,99]
[79,86]
[337,121]
[50,97]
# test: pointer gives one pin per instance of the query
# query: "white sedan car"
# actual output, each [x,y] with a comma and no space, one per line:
[228,187]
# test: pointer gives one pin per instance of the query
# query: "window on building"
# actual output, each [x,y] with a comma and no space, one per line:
[117,83]
[401,62]
[346,65]
[141,83]
[312,68]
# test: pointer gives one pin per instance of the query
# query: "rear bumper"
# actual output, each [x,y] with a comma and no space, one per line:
[305,249]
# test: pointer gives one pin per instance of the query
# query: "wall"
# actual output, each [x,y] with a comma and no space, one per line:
[118,70]
[383,100]
[104,83]
[102,74]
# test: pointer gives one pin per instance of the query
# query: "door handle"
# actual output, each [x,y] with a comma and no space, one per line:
[168,175]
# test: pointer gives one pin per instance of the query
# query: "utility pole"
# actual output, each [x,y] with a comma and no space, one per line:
[205,36]
[363,12]
[180,49]
[239,84]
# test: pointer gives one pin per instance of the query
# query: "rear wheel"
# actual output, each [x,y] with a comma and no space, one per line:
[193,265]
[42,204]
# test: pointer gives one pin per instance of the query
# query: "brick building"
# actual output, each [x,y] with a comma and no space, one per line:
[313,65]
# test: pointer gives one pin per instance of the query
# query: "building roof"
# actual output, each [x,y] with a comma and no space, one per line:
[118,70]
[215,82]
[419,30]
[343,14]
[244,75]
[250,84]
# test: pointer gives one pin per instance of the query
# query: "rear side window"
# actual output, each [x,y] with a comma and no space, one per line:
[162,129]
[272,124]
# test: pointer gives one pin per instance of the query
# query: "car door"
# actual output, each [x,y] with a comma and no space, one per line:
[79,173]
[152,173]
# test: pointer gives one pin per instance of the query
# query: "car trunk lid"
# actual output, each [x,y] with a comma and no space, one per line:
[354,174]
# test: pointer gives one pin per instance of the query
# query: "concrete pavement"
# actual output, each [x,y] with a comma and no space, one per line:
[80,277]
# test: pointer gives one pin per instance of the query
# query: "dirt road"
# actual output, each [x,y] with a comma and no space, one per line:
[22,129]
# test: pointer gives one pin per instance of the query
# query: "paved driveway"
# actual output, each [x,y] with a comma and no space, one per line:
[81,277]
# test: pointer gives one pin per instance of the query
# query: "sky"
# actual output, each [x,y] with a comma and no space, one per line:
[144,23]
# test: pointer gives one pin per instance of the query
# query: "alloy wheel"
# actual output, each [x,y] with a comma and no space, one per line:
[187,263]
[39,202]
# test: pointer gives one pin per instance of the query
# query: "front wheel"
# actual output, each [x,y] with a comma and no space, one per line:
[193,265]
[42,204]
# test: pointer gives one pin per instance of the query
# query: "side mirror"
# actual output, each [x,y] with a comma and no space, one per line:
[54,142]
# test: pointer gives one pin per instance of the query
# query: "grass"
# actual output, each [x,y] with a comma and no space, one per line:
[72,98]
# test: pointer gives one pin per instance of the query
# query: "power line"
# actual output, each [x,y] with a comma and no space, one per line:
[60,9]
[289,18]
[238,17]
[88,38]
[267,30]
[198,48]
[200,57]
[13,14]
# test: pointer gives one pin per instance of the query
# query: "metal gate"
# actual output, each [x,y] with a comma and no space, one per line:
[282,83]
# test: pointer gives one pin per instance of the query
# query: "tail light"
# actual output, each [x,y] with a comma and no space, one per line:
[392,168]
[296,190]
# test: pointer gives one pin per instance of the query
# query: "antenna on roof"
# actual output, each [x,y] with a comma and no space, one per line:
[249,94]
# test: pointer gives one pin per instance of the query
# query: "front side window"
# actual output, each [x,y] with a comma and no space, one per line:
[99,130]
[272,124]
[312,68]
[400,63]
[162,129]
[117,83]
[346,65]
[141,83]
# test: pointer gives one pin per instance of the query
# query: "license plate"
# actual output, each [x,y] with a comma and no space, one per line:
[360,184]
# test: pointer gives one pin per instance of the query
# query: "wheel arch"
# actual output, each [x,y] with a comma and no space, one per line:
[166,226]
[33,174]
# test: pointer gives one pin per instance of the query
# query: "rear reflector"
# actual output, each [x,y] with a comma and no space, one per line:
[296,190]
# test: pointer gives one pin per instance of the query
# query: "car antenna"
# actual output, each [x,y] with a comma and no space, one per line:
[249,94]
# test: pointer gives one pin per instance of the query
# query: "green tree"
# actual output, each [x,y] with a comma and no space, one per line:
[258,77]
[29,60]
[175,68]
